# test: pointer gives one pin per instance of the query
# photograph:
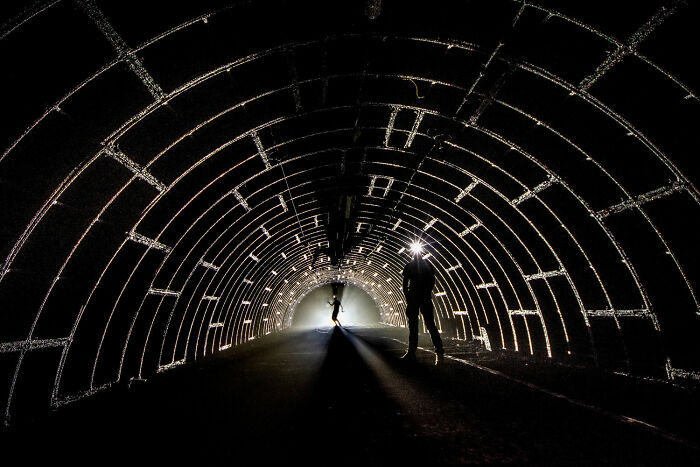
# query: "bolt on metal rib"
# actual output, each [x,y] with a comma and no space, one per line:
[466,191]
[149,242]
[390,125]
[123,50]
[163,292]
[208,265]
[630,47]
[23,346]
[544,275]
[551,180]
[419,117]
[261,150]
[637,201]
[240,199]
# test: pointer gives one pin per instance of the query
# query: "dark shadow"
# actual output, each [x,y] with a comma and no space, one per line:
[348,416]
[320,396]
[346,387]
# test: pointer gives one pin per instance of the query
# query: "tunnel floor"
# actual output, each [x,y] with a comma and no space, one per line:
[342,396]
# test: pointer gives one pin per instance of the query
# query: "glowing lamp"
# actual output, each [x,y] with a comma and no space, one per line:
[416,248]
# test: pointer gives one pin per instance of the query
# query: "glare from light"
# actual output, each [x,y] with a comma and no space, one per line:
[315,311]
[416,247]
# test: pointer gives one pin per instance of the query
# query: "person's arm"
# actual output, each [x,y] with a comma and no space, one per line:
[405,286]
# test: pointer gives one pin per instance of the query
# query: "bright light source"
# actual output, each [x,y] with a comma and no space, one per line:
[416,247]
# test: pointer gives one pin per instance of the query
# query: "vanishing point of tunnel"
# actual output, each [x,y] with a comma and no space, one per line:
[184,187]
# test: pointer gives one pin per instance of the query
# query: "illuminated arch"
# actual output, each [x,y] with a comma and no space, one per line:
[194,216]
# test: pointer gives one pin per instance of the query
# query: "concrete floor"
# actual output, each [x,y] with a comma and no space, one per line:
[331,396]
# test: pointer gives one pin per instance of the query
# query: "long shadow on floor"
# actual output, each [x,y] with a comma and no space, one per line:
[304,397]
[333,396]
[347,414]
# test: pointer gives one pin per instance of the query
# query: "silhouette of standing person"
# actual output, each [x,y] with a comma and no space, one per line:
[418,282]
[336,307]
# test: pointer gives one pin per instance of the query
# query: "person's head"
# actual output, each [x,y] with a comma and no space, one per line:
[416,248]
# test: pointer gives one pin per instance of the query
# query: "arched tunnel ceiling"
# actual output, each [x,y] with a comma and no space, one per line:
[176,178]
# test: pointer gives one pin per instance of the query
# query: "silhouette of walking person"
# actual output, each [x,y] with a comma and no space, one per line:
[336,307]
[418,283]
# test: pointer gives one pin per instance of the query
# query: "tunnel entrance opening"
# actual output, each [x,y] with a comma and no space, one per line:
[315,309]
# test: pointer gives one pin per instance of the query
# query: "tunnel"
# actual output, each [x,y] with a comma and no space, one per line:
[179,179]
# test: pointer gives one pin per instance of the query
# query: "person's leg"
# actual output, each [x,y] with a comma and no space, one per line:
[412,316]
[429,319]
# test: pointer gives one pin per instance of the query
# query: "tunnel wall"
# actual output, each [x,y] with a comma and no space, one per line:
[166,170]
